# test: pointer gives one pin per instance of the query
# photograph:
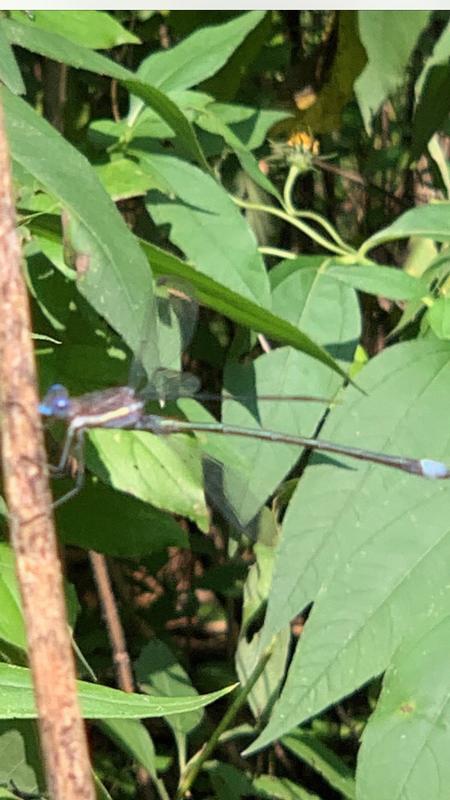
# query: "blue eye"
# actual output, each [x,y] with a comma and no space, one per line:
[56,402]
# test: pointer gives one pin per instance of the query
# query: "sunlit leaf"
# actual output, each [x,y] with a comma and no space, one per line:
[365,532]
[97,702]
[405,744]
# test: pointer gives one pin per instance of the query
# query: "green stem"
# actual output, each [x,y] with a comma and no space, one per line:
[288,187]
[327,226]
[161,789]
[293,211]
[195,765]
[306,229]
[275,251]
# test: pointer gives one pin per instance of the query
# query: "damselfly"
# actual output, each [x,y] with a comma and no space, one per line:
[123,408]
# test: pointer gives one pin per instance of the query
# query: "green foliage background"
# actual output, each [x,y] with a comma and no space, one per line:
[291,168]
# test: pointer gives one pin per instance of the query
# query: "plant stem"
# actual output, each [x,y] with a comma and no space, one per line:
[327,226]
[306,229]
[275,251]
[288,187]
[295,212]
[195,766]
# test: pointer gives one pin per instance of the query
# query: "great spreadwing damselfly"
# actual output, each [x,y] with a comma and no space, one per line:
[122,407]
[125,407]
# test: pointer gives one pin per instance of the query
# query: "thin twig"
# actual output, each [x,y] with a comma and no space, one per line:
[61,727]
[115,100]
[113,623]
[195,765]
[121,658]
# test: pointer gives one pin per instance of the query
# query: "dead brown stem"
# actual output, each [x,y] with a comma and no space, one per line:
[61,727]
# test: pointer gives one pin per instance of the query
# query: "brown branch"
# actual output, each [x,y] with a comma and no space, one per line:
[62,733]
[114,626]
[117,640]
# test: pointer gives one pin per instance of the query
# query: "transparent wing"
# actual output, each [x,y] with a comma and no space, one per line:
[177,318]
[217,478]
[168,384]
[169,325]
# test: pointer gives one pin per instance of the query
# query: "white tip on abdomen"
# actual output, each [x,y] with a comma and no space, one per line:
[434,469]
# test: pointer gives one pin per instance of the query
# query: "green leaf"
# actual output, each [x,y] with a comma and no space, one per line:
[198,56]
[432,94]
[259,578]
[212,123]
[61,49]
[163,471]
[123,178]
[20,756]
[373,540]
[225,83]
[431,221]
[440,55]
[212,294]
[256,590]
[236,306]
[107,515]
[269,786]
[101,792]
[310,749]
[389,38]
[384,281]
[97,702]
[134,739]
[172,114]
[328,311]
[267,687]
[12,628]
[147,123]
[118,280]
[228,782]
[438,316]
[249,123]
[432,108]
[207,226]
[408,734]
[158,672]
[9,70]
[95,29]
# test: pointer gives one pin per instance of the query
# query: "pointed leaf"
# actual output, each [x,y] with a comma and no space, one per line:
[119,278]
[329,312]
[404,753]
[9,71]
[198,56]
[384,281]
[389,38]
[95,29]
[97,702]
[431,221]
[158,672]
[61,49]
[133,738]
[163,471]
[207,226]
[236,306]
[310,749]
[374,541]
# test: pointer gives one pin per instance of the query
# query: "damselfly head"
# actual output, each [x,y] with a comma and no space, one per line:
[56,402]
